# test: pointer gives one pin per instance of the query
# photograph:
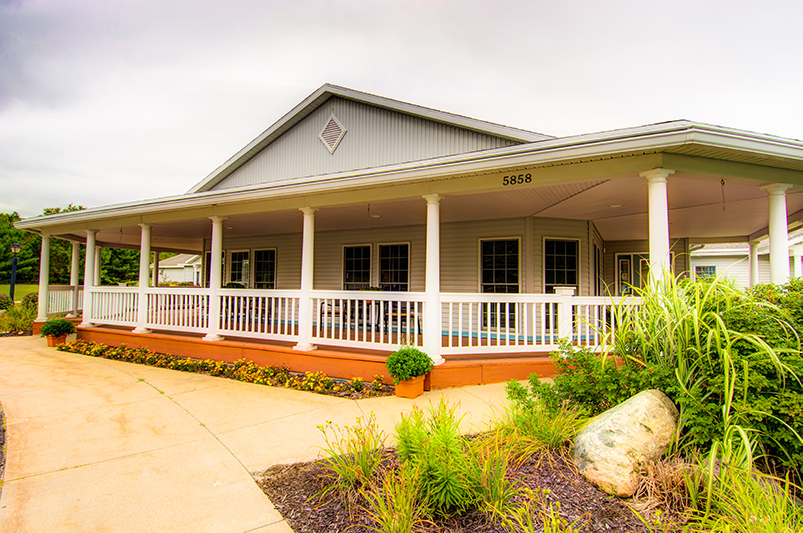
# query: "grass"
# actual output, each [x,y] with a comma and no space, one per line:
[19,290]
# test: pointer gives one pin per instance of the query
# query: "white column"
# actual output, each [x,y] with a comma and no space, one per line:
[754,263]
[658,222]
[307,272]
[89,262]
[44,277]
[155,277]
[144,276]
[74,265]
[96,274]
[432,310]
[215,274]
[779,232]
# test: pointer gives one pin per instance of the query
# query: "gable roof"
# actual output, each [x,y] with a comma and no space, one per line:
[325,93]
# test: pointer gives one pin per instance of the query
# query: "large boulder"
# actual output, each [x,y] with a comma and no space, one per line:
[610,451]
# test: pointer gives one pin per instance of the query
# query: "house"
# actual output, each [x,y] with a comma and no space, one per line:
[733,260]
[180,268]
[488,242]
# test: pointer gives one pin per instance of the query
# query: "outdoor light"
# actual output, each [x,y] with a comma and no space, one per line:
[15,249]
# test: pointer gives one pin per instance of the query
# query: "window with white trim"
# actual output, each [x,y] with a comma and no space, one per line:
[356,267]
[705,271]
[240,267]
[265,269]
[561,264]
[499,272]
[394,267]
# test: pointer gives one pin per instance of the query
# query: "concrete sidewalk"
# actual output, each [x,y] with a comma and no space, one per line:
[100,445]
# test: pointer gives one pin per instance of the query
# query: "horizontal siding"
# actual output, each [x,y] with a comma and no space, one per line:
[329,253]
[374,137]
[737,267]
[460,251]
[558,228]
[460,254]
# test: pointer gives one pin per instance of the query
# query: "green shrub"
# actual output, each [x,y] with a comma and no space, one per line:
[406,363]
[449,479]
[17,319]
[57,327]
[352,455]
[5,302]
[31,301]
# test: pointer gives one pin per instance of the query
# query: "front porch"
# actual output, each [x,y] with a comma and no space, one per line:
[483,338]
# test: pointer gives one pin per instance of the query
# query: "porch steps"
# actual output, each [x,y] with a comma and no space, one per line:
[462,370]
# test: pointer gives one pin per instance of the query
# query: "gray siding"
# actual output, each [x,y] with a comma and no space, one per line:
[288,256]
[679,246]
[374,137]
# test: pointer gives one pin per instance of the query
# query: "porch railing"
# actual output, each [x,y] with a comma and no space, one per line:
[265,314]
[116,306]
[471,322]
[362,319]
[65,299]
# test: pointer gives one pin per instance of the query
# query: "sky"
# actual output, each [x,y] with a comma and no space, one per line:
[112,101]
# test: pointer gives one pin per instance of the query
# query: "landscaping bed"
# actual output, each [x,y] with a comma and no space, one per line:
[242,370]
[295,492]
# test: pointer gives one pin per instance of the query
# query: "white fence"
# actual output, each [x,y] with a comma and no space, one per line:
[361,319]
[470,322]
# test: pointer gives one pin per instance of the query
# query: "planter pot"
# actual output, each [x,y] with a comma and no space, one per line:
[412,388]
[53,341]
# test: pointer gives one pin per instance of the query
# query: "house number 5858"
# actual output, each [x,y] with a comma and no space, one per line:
[517,180]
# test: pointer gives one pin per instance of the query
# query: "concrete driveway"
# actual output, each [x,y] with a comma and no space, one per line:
[100,445]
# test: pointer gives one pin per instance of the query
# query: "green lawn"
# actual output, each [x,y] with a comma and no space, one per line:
[19,290]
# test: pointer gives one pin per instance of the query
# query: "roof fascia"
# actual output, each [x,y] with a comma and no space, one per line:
[653,138]
[326,91]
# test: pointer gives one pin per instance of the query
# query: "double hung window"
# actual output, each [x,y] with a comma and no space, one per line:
[394,267]
[499,273]
[264,269]
[561,264]
[240,267]
[356,267]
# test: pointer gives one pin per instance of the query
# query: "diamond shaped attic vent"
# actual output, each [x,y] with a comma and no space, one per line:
[332,133]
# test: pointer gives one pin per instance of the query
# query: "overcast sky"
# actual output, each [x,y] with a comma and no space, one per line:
[105,102]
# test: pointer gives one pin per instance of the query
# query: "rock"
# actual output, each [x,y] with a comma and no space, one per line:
[611,449]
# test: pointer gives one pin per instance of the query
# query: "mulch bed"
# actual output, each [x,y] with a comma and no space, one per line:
[2,447]
[16,334]
[293,489]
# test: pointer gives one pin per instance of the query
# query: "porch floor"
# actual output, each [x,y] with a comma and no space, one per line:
[458,370]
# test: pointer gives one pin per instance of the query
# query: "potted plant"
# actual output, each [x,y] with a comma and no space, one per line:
[408,366]
[56,331]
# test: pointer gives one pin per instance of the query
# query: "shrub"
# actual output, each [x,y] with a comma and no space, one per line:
[406,363]
[5,301]
[17,319]
[352,455]
[449,479]
[31,301]
[57,327]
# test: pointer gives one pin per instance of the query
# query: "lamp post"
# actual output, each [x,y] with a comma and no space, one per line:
[15,249]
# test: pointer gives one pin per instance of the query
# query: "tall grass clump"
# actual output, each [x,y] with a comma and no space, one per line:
[434,447]
[352,455]
[17,319]
[393,505]
[729,360]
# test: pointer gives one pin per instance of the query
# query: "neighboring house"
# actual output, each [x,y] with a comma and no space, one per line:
[181,268]
[733,260]
[484,239]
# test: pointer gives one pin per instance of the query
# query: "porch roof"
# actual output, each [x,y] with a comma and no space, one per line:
[592,176]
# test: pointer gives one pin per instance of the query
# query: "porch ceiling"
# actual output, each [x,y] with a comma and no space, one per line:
[617,205]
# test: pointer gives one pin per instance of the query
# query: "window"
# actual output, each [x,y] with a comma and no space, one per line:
[240,267]
[705,271]
[499,263]
[356,267]
[560,264]
[394,267]
[264,269]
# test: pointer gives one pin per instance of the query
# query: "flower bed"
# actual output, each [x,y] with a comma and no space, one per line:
[242,370]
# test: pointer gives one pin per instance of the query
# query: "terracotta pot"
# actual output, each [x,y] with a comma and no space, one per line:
[53,341]
[412,388]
